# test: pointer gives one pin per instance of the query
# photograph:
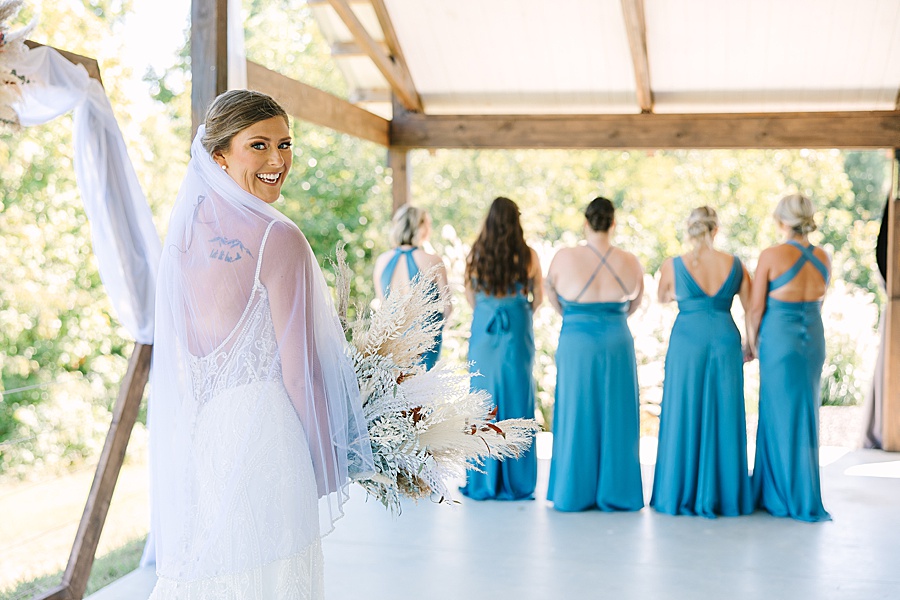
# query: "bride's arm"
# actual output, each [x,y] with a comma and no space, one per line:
[288,275]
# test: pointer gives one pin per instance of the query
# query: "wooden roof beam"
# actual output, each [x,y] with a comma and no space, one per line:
[636,28]
[397,76]
[368,95]
[352,49]
[310,104]
[652,131]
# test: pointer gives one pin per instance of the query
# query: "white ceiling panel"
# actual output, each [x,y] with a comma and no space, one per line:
[773,55]
[473,56]
[572,56]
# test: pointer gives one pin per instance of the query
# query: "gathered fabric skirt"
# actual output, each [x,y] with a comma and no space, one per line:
[501,349]
[253,531]
[701,463]
[791,355]
[596,429]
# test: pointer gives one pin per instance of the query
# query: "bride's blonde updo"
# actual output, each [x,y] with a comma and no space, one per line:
[700,225]
[797,212]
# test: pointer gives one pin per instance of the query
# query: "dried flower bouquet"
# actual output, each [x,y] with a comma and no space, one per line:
[426,427]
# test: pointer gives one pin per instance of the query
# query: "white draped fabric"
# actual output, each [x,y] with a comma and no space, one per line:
[125,240]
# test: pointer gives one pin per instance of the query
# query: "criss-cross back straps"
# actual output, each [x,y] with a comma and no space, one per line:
[600,265]
[388,272]
[805,256]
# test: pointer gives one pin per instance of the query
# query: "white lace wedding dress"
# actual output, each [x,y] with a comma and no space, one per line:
[253,532]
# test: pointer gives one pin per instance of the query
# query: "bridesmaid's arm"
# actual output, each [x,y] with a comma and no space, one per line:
[665,292]
[744,293]
[758,293]
[379,269]
[636,302]
[537,278]
[441,279]
[550,289]
[470,293]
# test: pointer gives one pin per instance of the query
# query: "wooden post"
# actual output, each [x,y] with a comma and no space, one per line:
[398,159]
[97,506]
[891,406]
[209,56]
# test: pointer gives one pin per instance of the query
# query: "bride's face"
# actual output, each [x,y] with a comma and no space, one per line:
[259,158]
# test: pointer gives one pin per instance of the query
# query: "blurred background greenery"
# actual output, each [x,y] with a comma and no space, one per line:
[62,352]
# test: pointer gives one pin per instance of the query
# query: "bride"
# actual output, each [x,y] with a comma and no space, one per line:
[256,423]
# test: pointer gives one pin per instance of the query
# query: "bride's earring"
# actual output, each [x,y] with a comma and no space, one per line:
[224,168]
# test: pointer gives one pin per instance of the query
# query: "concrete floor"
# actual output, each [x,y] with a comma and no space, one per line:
[526,550]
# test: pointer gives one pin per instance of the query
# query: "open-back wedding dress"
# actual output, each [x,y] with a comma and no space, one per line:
[255,415]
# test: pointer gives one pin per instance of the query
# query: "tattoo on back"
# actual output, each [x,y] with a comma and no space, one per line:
[228,250]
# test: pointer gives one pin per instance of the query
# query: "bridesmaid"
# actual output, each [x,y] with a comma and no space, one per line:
[503,284]
[786,309]
[411,227]
[701,465]
[595,287]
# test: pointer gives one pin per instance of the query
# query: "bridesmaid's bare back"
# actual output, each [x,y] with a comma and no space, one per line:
[808,285]
[572,269]
[709,269]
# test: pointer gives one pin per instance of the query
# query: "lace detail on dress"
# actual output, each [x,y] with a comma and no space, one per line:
[299,577]
[252,358]
[249,528]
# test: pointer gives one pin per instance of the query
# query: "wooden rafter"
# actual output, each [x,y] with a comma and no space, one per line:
[390,36]
[761,130]
[310,104]
[636,28]
[397,77]
[351,49]
[360,96]
[398,161]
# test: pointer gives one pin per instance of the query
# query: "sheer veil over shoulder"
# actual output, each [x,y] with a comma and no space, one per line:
[255,418]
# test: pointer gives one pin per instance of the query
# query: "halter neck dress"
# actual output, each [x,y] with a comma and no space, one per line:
[791,355]
[429,358]
[596,428]
[501,350]
[701,463]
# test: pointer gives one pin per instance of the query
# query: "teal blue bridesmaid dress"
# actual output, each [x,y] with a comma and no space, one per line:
[501,349]
[701,462]
[596,427]
[791,356]
[431,357]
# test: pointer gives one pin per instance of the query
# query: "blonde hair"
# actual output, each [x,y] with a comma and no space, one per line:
[407,225]
[797,212]
[700,225]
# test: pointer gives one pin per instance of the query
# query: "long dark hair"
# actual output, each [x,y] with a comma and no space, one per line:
[500,258]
